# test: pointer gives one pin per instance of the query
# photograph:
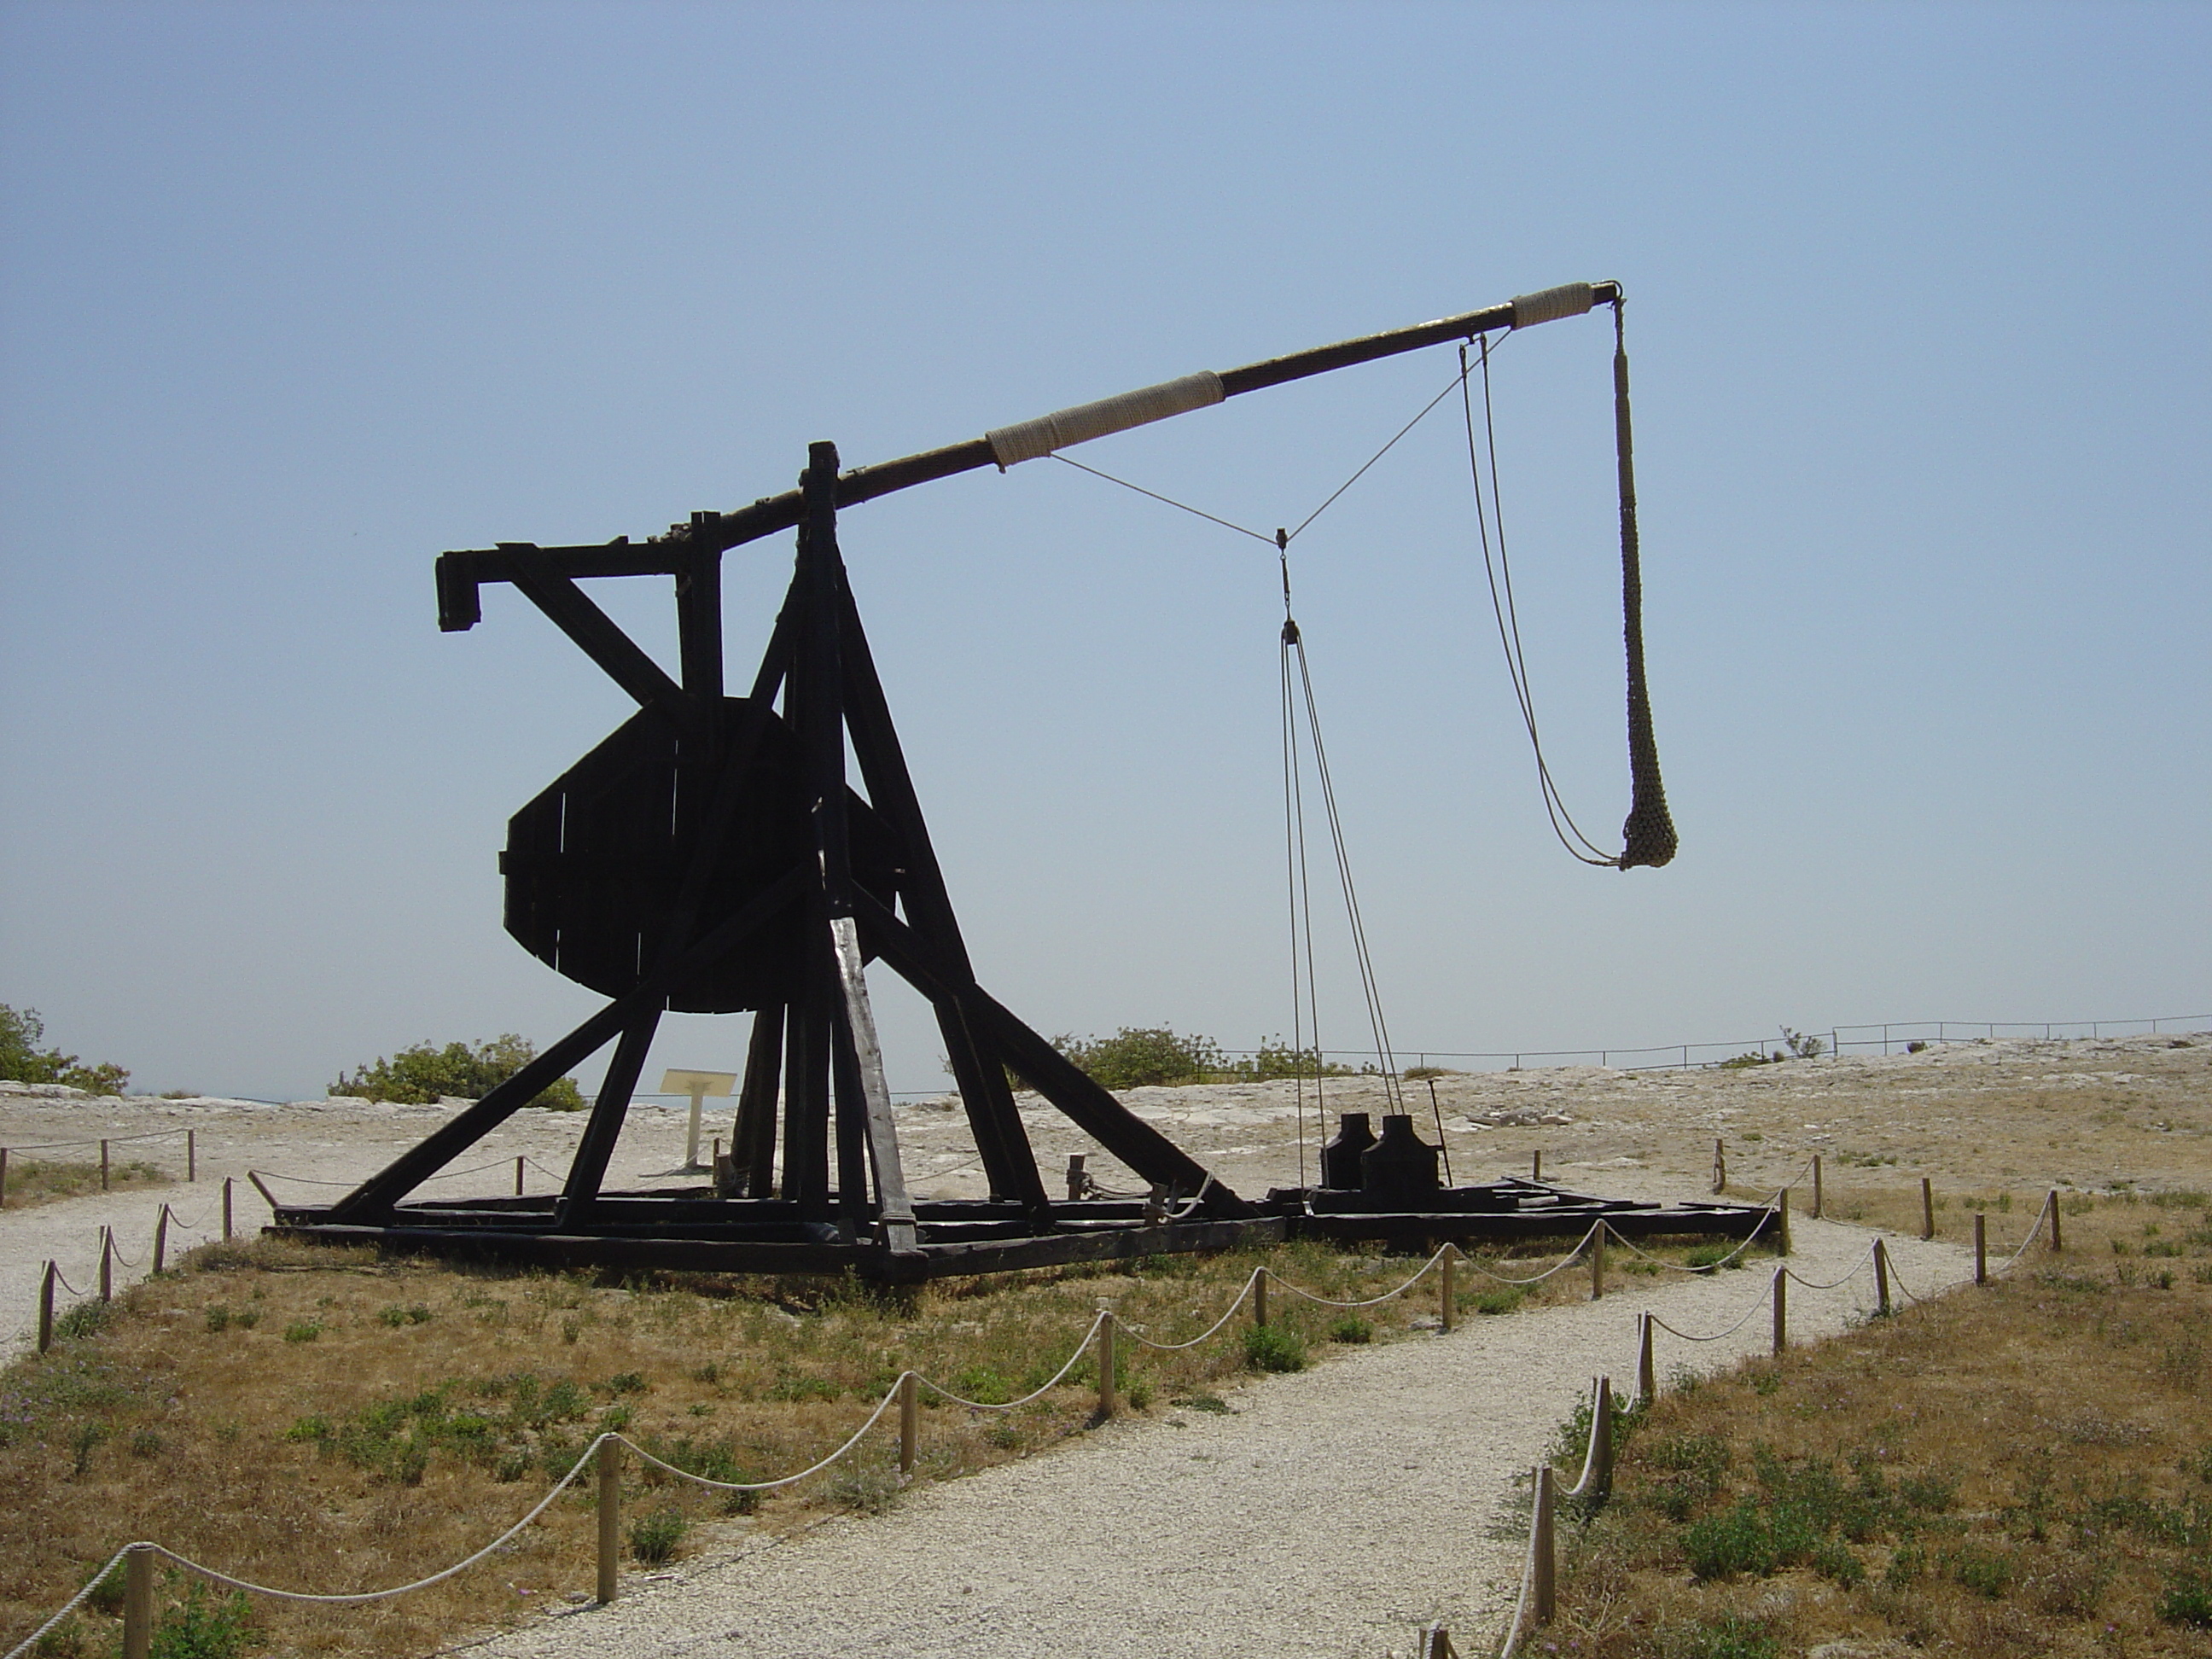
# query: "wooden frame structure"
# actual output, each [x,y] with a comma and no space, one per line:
[711,855]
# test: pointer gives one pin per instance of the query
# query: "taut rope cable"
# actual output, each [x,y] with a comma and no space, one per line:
[1167,500]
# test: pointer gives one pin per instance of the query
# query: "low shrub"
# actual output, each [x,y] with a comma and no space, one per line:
[655,1536]
[424,1074]
[1272,1348]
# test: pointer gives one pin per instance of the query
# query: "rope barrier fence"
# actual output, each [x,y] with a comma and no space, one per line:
[1534,1607]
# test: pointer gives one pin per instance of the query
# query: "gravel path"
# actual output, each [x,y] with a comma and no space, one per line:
[1332,1512]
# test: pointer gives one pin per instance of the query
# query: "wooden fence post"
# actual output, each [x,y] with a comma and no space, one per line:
[1601,1440]
[909,1422]
[1536,1169]
[1781,1310]
[47,1308]
[1720,1166]
[1544,1585]
[608,1459]
[1107,1403]
[518,1170]
[1647,1378]
[1927,1209]
[4,1177]
[1781,1237]
[1447,1307]
[138,1601]
[1077,1181]
[1981,1248]
[191,1155]
[1817,1193]
[161,1238]
[226,1209]
[106,1264]
[1436,1644]
[1881,1278]
[2058,1242]
[103,1166]
[1597,1264]
[1258,1296]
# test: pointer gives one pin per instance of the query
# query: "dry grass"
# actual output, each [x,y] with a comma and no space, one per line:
[2024,1469]
[32,1182]
[331,1421]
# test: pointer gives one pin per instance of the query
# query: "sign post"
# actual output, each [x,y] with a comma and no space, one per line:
[698,1086]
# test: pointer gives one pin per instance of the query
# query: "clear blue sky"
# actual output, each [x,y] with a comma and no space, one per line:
[293,297]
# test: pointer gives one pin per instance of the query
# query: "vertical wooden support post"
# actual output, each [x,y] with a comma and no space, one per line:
[1882,1279]
[161,1238]
[226,1209]
[2057,1241]
[1720,1166]
[1107,1403]
[1781,1310]
[1817,1193]
[1647,1375]
[106,1264]
[191,1155]
[1544,1586]
[103,1166]
[138,1601]
[1981,1248]
[1927,1209]
[1536,1166]
[1600,1452]
[1447,1300]
[608,1460]
[518,1177]
[910,1421]
[1078,1179]
[1597,1263]
[3,1179]
[1782,1232]
[47,1308]
[691,1134]
[1258,1296]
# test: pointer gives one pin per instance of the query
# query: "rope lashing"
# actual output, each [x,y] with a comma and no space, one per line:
[1027,440]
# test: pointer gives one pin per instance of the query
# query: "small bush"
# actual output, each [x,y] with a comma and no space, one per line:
[303,1330]
[1730,1638]
[218,1317]
[204,1627]
[1137,1057]
[2188,1600]
[1986,1572]
[86,1319]
[1503,1299]
[866,1488]
[654,1537]
[1271,1348]
[22,1060]
[1351,1328]
[425,1074]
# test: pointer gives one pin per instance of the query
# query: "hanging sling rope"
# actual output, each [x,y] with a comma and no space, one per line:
[1648,833]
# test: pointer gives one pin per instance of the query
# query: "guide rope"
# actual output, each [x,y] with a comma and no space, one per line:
[1297,697]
